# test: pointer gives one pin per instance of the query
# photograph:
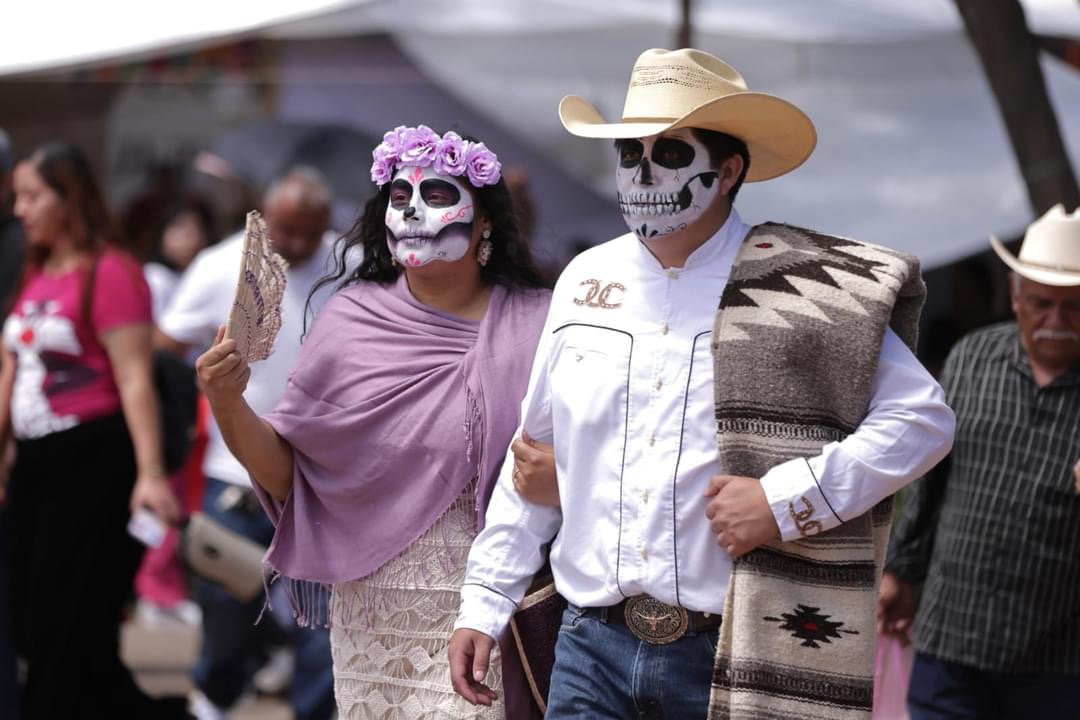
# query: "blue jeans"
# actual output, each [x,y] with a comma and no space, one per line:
[233,646]
[942,690]
[602,671]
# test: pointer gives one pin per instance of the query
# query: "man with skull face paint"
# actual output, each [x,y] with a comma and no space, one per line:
[377,463]
[665,182]
[717,395]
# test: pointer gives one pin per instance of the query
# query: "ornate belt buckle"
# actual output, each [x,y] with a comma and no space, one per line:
[655,622]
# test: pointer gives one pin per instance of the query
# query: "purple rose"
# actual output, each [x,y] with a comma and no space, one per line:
[393,139]
[382,170]
[418,146]
[481,165]
[450,155]
[384,153]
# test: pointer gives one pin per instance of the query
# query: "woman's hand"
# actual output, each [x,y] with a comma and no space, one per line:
[154,493]
[534,471]
[1076,472]
[223,374]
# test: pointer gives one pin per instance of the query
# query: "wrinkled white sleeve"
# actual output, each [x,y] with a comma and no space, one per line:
[907,430]
[510,549]
[194,311]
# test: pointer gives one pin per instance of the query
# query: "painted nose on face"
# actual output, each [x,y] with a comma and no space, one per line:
[410,213]
[644,176]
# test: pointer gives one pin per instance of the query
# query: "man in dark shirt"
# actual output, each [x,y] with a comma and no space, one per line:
[11,261]
[994,541]
[11,238]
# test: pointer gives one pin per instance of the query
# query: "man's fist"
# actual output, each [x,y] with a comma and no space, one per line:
[739,514]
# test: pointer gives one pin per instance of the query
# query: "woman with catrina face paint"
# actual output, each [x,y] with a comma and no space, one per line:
[378,463]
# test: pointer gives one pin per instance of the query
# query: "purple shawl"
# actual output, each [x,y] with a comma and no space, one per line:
[392,410]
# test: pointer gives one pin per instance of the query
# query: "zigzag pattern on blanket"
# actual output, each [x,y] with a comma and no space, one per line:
[796,344]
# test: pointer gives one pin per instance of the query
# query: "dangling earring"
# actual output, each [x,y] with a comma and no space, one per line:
[484,248]
[393,260]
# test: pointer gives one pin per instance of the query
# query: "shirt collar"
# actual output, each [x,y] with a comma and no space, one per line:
[723,245]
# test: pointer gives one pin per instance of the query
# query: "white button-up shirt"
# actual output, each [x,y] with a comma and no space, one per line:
[622,385]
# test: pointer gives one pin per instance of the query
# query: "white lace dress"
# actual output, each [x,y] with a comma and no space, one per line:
[390,630]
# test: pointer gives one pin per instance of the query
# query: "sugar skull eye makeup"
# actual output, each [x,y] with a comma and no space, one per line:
[400,194]
[672,153]
[438,193]
[630,153]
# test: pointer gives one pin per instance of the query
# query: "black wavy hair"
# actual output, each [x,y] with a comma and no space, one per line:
[511,262]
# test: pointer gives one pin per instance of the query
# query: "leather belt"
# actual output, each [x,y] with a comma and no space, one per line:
[655,622]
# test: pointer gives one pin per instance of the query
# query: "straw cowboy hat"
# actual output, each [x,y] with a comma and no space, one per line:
[1050,253]
[692,89]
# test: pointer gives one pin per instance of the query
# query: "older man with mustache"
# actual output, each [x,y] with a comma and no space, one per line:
[995,540]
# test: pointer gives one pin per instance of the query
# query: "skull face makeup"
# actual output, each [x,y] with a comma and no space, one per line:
[665,182]
[429,218]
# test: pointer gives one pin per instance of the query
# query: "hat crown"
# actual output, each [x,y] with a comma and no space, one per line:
[667,84]
[1053,241]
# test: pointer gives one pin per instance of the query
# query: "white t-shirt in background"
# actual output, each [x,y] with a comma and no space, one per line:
[201,303]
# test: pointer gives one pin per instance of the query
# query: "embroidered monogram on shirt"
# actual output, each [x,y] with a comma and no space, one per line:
[805,525]
[600,297]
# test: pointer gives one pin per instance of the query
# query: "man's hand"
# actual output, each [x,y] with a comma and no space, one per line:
[534,471]
[896,606]
[470,654]
[740,515]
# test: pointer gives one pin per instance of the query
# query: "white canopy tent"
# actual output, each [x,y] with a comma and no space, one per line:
[54,34]
[912,152]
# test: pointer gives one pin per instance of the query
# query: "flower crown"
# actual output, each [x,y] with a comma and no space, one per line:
[449,155]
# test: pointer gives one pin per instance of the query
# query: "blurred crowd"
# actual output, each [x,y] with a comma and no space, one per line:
[113,314]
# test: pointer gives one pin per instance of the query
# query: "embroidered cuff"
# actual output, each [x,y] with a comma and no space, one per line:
[484,610]
[796,500]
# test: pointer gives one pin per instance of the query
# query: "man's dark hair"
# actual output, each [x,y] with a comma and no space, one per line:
[721,146]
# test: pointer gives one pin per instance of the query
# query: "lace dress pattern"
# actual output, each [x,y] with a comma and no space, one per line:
[390,630]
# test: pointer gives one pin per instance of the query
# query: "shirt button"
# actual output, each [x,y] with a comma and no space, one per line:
[659,384]
[645,498]
[664,329]
[652,439]
[644,554]
[672,274]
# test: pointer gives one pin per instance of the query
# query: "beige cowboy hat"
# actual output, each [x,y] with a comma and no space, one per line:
[1050,253]
[692,89]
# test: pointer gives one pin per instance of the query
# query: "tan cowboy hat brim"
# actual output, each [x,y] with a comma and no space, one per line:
[778,135]
[1041,274]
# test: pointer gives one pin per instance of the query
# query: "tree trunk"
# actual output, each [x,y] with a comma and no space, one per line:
[685,37]
[1010,56]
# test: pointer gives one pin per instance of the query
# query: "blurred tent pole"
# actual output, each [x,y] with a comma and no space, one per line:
[1009,55]
[685,36]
